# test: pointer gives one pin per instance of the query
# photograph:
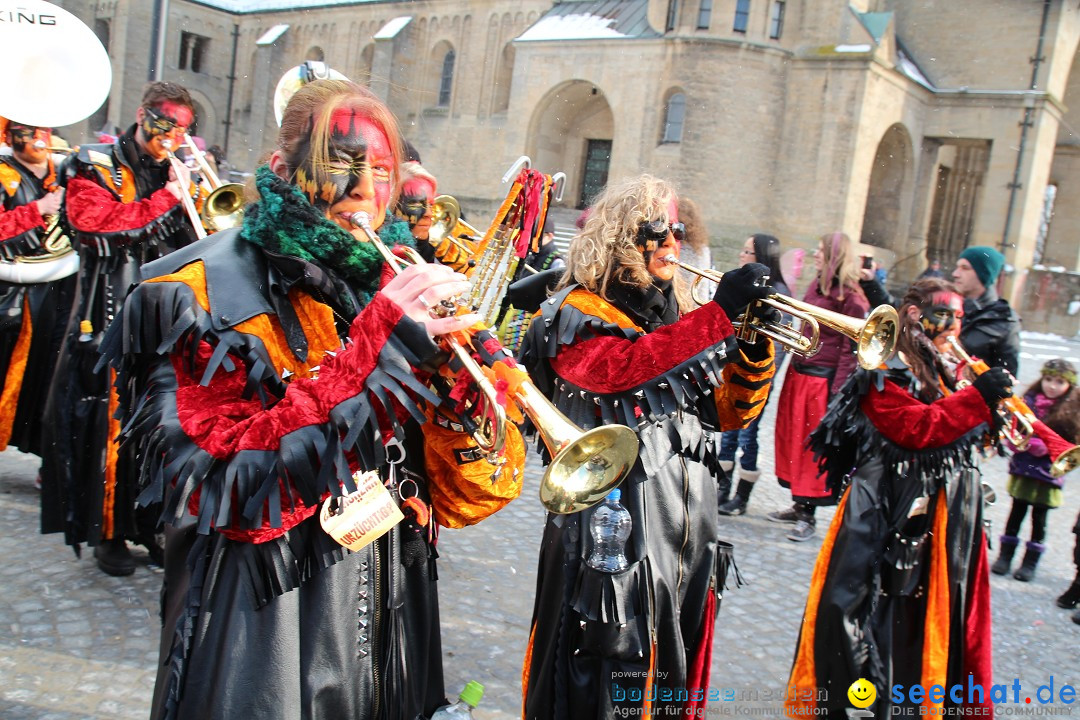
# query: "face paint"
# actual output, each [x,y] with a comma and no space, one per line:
[416,196]
[942,314]
[357,154]
[29,143]
[357,176]
[165,122]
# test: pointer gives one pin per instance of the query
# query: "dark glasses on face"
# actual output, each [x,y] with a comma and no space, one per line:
[656,231]
[161,125]
[21,132]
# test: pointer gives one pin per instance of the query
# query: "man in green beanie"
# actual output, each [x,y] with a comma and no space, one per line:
[990,330]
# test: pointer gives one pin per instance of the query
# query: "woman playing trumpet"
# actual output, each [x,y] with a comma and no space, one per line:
[258,370]
[900,592]
[617,343]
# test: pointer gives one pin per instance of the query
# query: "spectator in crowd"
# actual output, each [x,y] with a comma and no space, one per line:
[991,329]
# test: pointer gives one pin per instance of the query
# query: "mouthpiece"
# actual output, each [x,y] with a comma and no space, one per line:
[361,220]
[167,144]
[40,145]
[670,259]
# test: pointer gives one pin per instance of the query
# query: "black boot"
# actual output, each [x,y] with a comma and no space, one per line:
[1005,556]
[114,558]
[737,504]
[723,481]
[1026,571]
[1071,597]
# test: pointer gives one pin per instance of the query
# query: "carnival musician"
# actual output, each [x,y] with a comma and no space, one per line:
[259,369]
[617,342]
[31,313]
[900,592]
[124,208]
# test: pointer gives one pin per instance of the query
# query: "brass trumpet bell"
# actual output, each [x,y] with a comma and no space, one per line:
[585,465]
[224,207]
[875,337]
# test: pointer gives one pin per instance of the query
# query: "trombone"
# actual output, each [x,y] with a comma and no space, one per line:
[185,195]
[224,206]
[585,465]
[875,337]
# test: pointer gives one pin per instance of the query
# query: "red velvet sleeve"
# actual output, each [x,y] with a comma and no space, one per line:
[221,422]
[18,220]
[93,209]
[612,364]
[914,425]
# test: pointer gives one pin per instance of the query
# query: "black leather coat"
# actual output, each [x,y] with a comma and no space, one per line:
[991,331]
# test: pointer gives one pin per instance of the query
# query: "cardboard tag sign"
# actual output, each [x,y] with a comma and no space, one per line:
[363,516]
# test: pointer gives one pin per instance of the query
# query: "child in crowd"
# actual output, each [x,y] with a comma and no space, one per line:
[1054,401]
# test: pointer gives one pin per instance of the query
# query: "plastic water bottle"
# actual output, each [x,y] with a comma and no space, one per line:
[610,527]
[467,700]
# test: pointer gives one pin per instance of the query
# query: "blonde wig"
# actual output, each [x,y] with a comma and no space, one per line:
[604,251]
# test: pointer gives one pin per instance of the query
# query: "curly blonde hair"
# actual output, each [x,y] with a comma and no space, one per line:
[604,251]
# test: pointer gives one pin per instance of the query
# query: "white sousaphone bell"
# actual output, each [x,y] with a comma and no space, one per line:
[296,78]
[57,74]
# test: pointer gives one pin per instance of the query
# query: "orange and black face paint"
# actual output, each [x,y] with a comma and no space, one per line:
[940,315]
[326,182]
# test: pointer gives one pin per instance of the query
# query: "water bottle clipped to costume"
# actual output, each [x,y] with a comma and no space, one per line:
[610,527]
[462,709]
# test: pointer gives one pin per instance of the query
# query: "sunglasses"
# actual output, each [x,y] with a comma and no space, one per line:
[656,231]
[161,125]
[21,132]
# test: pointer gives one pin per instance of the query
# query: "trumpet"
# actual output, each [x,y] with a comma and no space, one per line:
[224,206]
[1021,423]
[875,337]
[585,465]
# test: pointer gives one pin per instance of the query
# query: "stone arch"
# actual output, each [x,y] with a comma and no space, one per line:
[570,115]
[362,73]
[503,79]
[888,195]
[206,118]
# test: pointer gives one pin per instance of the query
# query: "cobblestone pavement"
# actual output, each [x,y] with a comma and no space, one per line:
[76,644]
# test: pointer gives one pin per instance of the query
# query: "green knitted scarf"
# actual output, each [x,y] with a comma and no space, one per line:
[284,222]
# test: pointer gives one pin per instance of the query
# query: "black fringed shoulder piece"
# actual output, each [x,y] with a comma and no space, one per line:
[680,388]
[845,435]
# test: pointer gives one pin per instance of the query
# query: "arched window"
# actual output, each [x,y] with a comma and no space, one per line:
[446,79]
[504,79]
[315,53]
[674,118]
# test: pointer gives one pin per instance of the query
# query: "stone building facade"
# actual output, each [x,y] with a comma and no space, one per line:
[918,127]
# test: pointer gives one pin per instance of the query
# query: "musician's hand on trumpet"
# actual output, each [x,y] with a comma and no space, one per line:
[740,287]
[50,204]
[995,385]
[418,289]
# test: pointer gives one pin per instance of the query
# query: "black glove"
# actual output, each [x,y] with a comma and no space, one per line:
[739,286]
[994,385]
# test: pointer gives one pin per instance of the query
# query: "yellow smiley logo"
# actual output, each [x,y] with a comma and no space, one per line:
[862,693]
